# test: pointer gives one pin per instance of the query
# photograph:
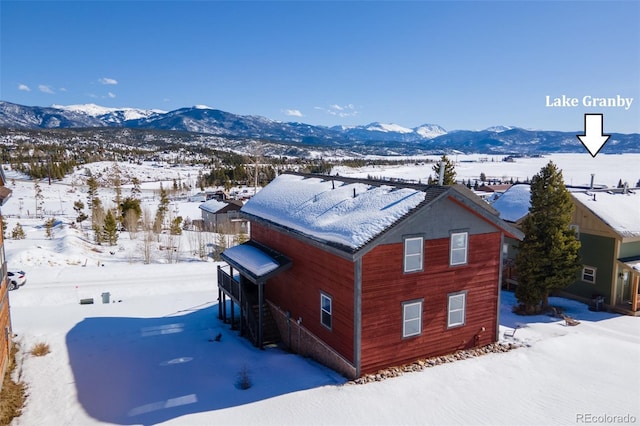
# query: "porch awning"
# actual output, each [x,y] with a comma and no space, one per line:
[256,262]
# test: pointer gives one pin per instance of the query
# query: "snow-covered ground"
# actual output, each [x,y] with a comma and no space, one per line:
[150,354]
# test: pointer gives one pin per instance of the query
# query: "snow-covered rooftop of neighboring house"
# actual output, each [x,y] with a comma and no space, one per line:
[212,206]
[618,210]
[252,258]
[514,204]
[326,209]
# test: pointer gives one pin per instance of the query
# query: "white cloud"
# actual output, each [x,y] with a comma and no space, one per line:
[348,110]
[293,113]
[45,89]
[108,81]
[23,87]
[111,95]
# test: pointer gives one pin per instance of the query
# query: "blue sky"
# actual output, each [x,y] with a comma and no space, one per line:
[462,65]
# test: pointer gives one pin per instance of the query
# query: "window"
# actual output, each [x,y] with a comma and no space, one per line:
[411,318]
[458,254]
[413,249]
[457,308]
[325,310]
[576,229]
[589,274]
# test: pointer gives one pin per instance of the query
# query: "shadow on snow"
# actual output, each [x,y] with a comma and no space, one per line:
[572,308]
[149,370]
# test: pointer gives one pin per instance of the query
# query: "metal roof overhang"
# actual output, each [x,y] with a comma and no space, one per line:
[247,269]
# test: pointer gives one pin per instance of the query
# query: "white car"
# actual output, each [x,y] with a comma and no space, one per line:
[16,279]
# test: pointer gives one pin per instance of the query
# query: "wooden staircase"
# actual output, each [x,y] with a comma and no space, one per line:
[251,313]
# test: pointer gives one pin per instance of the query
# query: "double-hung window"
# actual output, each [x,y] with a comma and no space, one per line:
[457,309]
[459,245]
[413,254]
[412,318]
[326,309]
[589,274]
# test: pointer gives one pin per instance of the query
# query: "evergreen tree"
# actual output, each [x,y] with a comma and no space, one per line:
[92,191]
[162,210]
[131,213]
[449,172]
[78,206]
[116,181]
[48,226]
[39,197]
[110,229]
[548,257]
[97,219]
[17,233]
[136,191]
[176,228]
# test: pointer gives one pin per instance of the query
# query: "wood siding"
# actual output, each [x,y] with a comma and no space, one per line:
[297,290]
[385,287]
[5,315]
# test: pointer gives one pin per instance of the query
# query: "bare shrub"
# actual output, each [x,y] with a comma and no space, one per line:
[244,380]
[13,395]
[40,349]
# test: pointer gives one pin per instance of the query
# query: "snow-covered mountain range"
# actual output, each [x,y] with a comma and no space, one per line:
[386,137]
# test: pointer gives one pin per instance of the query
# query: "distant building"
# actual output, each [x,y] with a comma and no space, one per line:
[223,217]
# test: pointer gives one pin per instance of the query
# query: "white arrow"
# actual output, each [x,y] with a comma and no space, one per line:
[593,139]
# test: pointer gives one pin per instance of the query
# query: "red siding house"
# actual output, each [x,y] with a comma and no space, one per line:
[362,274]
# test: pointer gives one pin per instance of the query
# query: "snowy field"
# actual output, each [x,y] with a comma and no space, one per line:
[150,355]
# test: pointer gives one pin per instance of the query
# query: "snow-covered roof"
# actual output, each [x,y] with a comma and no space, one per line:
[212,206]
[514,204]
[618,210]
[326,208]
[252,259]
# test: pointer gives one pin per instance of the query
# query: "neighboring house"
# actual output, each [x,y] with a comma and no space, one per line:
[362,275]
[223,216]
[608,225]
[5,310]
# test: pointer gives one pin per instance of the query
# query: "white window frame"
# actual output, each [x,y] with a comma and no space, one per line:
[454,310]
[576,229]
[411,320]
[453,250]
[411,255]
[326,313]
[586,274]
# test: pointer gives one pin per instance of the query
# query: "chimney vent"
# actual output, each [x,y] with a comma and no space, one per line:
[441,174]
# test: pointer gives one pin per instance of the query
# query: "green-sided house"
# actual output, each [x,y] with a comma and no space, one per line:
[608,224]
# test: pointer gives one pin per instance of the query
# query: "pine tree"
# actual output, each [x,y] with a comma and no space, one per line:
[548,258]
[78,206]
[17,233]
[110,229]
[449,171]
[39,197]
[48,226]
[163,206]
[176,228]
